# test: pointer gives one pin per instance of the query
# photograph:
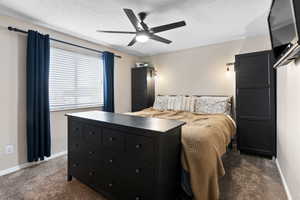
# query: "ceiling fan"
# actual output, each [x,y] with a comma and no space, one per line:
[144,33]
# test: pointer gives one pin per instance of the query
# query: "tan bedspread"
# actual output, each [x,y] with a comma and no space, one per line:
[204,140]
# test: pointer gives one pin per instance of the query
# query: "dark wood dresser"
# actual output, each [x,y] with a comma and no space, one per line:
[125,157]
[256,103]
[143,88]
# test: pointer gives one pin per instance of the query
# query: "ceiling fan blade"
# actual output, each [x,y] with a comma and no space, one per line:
[133,41]
[160,39]
[133,19]
[123,32]
[166,27]
[145,27]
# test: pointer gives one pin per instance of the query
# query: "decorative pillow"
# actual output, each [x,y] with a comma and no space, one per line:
[161,103]
[213,105]
[171,102]
[192,103]
[174,102]
[187,104]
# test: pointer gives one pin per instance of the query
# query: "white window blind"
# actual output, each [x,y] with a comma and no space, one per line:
[75,80]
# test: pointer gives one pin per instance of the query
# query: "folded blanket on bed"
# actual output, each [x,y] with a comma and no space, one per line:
[204,141]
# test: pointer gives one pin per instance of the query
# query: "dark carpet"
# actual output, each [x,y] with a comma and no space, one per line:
[247,178]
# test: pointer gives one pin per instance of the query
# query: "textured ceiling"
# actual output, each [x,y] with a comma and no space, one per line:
[208,21]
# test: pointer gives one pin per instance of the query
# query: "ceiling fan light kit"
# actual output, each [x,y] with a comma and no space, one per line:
[145,33]
[142,37]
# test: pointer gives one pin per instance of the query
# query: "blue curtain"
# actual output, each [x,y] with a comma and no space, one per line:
[108,81]
[38,116]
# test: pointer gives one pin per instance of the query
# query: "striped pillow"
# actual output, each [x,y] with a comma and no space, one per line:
[174,102]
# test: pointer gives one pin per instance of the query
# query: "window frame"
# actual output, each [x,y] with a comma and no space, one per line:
[75,106]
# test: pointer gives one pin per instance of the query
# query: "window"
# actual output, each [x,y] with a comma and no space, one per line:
[75,80]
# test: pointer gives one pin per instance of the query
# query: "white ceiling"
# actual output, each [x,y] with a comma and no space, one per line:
[208,21]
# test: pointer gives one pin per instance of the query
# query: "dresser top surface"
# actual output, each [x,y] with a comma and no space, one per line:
[150,124]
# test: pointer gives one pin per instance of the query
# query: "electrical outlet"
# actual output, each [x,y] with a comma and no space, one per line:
[9,149]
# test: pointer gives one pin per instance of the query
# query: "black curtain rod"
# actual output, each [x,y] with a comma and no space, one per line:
[61,41]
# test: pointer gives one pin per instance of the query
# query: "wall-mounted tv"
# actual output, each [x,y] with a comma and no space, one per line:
[284,20]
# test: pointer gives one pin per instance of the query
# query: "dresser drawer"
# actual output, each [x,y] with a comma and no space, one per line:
[139,195]
[139,175]
[140,148]
[133,190]
[92,134]
[112,160]
[79,168]
[138,181]
[74,166]
[113,140]
[93,153]
[76,150]
[75,130]
[105,182]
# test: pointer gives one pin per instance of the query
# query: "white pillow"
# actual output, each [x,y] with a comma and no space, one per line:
[161,102]
[171,102]
[192,103]
[187,103]
[213,105]
[174,102]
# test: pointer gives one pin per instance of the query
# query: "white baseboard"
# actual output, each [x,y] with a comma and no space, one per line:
[286,188]
[25,165]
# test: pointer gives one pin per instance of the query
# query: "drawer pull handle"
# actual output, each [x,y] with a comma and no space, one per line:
[111,139]
[137,171]
[138,146]
[110,161]
[110,185]
[91,152]
[91,173]
[92,133]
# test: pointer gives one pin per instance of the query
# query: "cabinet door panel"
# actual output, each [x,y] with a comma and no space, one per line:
[256,135]
[254,103]
[253,70]
[143,89]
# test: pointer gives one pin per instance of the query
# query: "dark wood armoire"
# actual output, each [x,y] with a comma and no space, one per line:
[143,87]
[256,103]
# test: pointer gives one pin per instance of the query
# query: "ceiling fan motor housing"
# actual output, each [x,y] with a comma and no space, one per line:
[142,16]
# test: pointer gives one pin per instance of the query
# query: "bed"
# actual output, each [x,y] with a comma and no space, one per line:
[208,131]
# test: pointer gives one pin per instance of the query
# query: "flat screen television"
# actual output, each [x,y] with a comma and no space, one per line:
[284,19]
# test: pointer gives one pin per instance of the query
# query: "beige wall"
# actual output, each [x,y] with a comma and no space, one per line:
[202,70]
[288,127]
[13,91]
